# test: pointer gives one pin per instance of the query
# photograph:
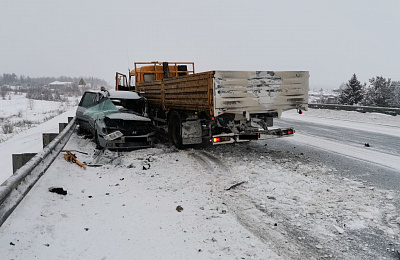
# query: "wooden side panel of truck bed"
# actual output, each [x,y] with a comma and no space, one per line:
[193,92]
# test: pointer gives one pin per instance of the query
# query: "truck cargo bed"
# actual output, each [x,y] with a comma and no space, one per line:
[236,92]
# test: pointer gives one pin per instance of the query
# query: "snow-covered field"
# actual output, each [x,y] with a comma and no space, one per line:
[26,117]
[22,113]
[240,201]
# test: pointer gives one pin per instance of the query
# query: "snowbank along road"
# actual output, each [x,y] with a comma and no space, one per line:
[244,201]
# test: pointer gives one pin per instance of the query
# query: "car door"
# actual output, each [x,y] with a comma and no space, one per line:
[88,100]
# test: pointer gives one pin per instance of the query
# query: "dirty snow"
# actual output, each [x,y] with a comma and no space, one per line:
[370,122]
[225,202]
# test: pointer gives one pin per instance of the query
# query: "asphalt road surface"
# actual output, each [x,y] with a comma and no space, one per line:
[345,149]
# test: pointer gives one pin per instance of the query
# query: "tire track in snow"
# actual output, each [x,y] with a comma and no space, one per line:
[282,238]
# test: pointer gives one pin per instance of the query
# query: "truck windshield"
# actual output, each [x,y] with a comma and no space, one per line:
[148,77]
[132,83]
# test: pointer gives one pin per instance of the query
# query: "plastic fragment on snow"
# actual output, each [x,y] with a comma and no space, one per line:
[339,229]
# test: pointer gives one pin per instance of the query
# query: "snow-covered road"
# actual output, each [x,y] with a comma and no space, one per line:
[349,137]
[339,138]
[162,203]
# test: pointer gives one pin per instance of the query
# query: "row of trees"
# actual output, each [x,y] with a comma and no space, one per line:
[26,81]
[380,93]
[42,93]
[45,94]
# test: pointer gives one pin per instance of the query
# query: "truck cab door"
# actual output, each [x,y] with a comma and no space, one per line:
[121,82]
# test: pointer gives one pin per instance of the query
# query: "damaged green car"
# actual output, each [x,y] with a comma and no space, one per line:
[115,119]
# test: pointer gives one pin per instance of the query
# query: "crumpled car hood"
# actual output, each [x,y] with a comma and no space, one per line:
[127,116]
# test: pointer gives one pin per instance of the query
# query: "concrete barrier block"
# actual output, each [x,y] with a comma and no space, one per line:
[47,138]
[19,160]
[62,126]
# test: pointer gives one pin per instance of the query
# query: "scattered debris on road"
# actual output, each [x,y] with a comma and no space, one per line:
[58,190]
[236,185]
[70,157]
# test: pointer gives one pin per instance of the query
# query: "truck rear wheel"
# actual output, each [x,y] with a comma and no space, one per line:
[175,129]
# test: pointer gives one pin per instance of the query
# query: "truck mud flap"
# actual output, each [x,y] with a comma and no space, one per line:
[191,132]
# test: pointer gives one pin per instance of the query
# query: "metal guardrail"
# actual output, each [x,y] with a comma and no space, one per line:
[362,109]
[14,189]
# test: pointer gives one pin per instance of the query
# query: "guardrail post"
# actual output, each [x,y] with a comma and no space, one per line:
[47,138]
[19,160]
[61,126]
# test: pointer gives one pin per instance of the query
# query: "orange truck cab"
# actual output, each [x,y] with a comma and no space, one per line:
[151,71]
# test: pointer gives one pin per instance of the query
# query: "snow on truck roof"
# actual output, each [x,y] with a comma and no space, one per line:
[119,94]
[124,95]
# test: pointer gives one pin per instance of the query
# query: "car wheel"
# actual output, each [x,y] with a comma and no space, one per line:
[79,128]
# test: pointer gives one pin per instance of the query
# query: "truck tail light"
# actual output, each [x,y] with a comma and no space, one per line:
[288,132]
[220,139]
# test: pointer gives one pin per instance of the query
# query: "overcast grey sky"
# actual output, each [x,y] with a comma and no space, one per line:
[331,39]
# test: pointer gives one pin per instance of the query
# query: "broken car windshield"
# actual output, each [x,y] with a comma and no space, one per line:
[102,109]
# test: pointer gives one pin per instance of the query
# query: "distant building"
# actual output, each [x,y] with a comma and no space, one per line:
[314,97]
[57,85]
[323,97]
[330,98]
